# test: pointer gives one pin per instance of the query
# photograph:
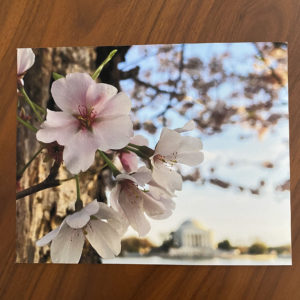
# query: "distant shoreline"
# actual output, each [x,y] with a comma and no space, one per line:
[244,260]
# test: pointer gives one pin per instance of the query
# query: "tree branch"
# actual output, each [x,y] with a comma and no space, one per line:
[49,182]
[178,79]
[272,70]
[155,88]
[133,74]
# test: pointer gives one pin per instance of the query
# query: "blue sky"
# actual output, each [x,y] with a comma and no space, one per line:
[239,216]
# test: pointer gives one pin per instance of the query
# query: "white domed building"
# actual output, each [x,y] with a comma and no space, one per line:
[192,239]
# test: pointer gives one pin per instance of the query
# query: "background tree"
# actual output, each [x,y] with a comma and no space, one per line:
[225,245]
[258,248]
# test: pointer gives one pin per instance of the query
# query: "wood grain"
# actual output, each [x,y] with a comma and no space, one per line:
[83,23]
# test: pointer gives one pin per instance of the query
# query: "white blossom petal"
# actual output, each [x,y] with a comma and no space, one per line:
[190,159]
[189,151]
[142,176]
[92,208]
[167,213]
[98,94]
[114,132]
[189,126]
[58,126]
[152,206]
[118,105]
[139,140]
[116,220]
[125,176]
[168,142]
[79,153]
[67,245]
[165,200]
[132,206]
[78,219]
[166,177]
[48,237]
[189,144]
[114,197]
[69,93]
[161,189]
[103,238]
[25,60]
[120,225]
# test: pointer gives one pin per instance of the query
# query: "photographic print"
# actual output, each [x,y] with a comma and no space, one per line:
[153,154]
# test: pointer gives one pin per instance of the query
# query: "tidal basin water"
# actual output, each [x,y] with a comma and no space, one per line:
[156,260]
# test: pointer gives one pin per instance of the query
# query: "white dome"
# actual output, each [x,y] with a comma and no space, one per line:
[193,223]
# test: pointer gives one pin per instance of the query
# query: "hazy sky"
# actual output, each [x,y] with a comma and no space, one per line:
[241,217]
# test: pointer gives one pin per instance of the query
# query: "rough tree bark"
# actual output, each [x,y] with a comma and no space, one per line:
[40,213]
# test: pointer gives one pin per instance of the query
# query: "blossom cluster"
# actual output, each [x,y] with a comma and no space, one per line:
[96,117]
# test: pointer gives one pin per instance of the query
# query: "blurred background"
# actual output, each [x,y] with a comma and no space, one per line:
[235,207]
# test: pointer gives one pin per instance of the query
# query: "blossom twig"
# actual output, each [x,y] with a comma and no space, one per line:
[27,124]
[144,149]
[31,104]
[108,58]
[109,163]
[41,109]
[78,203]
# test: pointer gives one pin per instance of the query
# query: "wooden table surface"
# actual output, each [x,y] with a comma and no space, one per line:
[89,23]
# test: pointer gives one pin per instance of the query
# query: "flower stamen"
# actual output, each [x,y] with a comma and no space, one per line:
[86,117]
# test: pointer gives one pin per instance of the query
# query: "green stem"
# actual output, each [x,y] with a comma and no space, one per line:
[41,109]
[109,163]
[108,58]
[20,173]
[31,104]
[77,187]
[145,150]
[78,203]
[133,145]
[137,152]
[57,76]
[26,124]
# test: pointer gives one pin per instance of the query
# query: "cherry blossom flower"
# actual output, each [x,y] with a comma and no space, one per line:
[93,117]
[165,178]
[129,160]
[100,224]
[174,148]
[133,202]
[25,60]
[166,200]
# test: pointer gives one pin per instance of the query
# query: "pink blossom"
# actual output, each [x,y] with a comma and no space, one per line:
[174,148]
[100,224]
[129,160]
[25,60]
[165,177]
[93,117]
[133,202]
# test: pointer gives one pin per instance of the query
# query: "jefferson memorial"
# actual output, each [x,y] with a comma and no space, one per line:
[192,239]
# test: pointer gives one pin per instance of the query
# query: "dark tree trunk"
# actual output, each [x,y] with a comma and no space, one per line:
[40,213]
